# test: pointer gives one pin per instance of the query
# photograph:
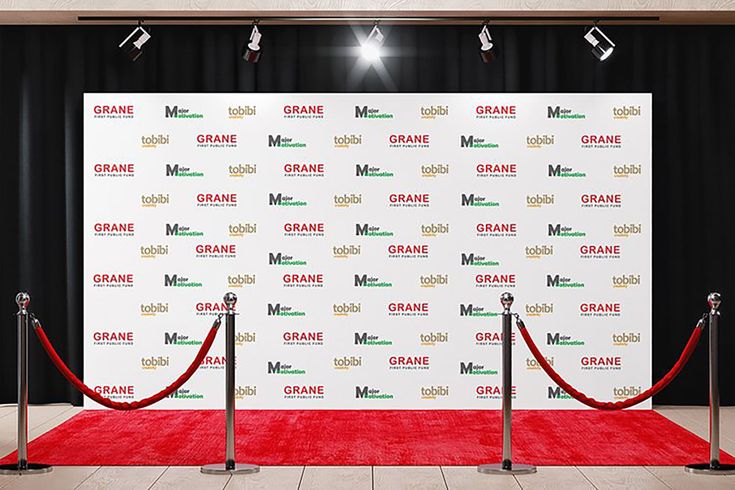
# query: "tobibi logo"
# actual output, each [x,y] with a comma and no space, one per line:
[179,281]
[564,172]
[153,309]
[241,111]
[434,229]
[601,363]
[434,169]
[496,229]
[539,251]
[346,251]
[495,112]
[626,338]
[347,200]
[626,281]
[154,140]
[347,140]
[113,280]
[476,200]
[303,280]
[215,251]
[116,392]
[247,391]
[113,338]
[303,170]
[365,281]
[601,200]
[562,340]
[626,230]
[434,111]
[539,309]
[177,170]
[539,141]
[627,170]
[409,363]
[114,170]
[345,363]
[408,251]
[472,310]
[113,111]
[179,230]
[477,260]
[587,310]
[364,338]
[242,338]
[433,280]
[601,141]
[281,258]
[408,309]
[278,367]
[208,308]
[303,112]
[498,170]
[284,200]
[368,170]
[558,112]
[241,170]
[240,230]
[114,229]
[556,393]
[303,338]
[279,309]
[304,392]
[476,369]
[533,365]
[220,140]
[539,200]
[433,338]
[559,281]
[240,280]
[153,251]
[472,141]
[153,363]
[626,112]
[280,141]
[492,338]
[176,112]
[417,140]
[625,392]
[346,309]
[185,394]
[154,200]
[434,392]
[175,338]
[492,392]
[365,112]
[214,362]
[219,200]
[370,230]
[495,280]
[599,252]
[303,229]
[564,231]
[409,200]
[370,393]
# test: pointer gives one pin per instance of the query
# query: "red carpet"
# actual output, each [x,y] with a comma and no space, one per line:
[368,437]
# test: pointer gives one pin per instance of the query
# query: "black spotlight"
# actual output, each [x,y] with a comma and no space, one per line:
[602,46]
[133,44]
[251,50]
[487,48]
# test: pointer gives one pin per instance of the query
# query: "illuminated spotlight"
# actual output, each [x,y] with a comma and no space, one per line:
[602,46]
[251,50]
[487,51]
[133,44]
[371,46]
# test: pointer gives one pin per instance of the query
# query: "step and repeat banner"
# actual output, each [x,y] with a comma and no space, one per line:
[368,238]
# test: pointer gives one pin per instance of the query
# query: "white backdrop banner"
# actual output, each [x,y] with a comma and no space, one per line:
[368,238]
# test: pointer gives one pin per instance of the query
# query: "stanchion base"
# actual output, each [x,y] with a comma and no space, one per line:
[515,469]
[707,469]
[221,469]
[30,469]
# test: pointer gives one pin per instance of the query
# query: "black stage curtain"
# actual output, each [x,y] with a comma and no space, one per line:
[45,70]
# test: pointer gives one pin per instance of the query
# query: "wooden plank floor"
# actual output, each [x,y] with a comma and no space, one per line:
[44,418]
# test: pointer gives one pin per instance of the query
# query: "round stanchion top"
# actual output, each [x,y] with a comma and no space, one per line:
[22,299]
[506,299]
[230,299]
[714,300]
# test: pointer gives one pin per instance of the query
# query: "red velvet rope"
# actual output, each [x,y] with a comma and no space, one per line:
[591,402]
[78,384]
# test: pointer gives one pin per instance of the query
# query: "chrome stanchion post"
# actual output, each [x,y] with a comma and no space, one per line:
[714,467]
[507,467]
[230,465]
[23,467]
